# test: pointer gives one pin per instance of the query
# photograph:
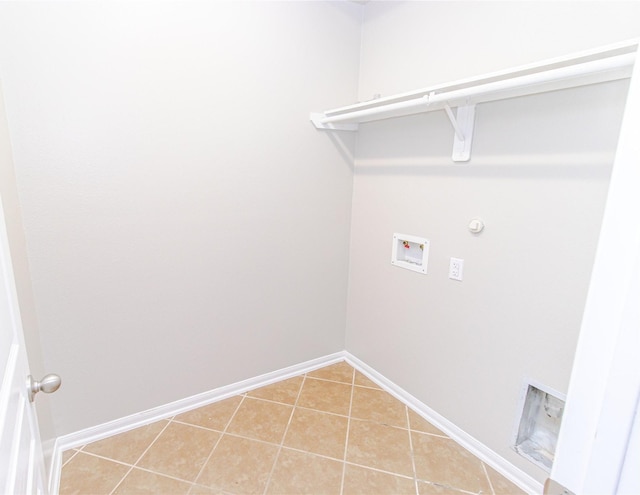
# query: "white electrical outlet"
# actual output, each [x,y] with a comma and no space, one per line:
[455,268]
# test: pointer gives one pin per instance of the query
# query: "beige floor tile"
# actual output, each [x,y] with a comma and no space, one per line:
[143,482]
[180,451]
[378,406]
[317,432]
[128,446]
[380,447]
[261,420]
[339,372]
[441,460]
[215,416]
[89,474]
[203,490]
[246,459]
[299,473]
[363,381]
[325,396]
[67,455]
[285,391]
[418,423]
[363,481]
[239,465]
[425,488]
[501,485]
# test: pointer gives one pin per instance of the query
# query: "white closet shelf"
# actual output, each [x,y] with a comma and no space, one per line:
[607,63]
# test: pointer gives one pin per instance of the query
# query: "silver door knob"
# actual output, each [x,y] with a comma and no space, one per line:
[49,383]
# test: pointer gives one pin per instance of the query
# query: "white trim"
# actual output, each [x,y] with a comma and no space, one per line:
[606,63]
[121,425]
[127,423]
[481,451]
[604,385]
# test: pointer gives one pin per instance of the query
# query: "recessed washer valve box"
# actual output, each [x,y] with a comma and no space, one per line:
[410,252]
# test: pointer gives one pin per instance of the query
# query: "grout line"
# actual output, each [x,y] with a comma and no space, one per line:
[327,412]
[400,475]
[193,485]
[370,387]
[131,468]
[435,435]
[290,404]
[346,440]
[141,455]
[217,492]
[387,425]
[392,473]
[411,451]
[75,453]
[451,487]
[486,473]
[252,439]
[322,456]
[345,383]
[206,428]
[250,397]
[260,441]
[284,435]
[224,431]
[329,380]
[322,411]
[108,459]
[280,447]
[152,442]
[147,470]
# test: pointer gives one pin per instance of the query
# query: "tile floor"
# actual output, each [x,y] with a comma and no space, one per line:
[330,431]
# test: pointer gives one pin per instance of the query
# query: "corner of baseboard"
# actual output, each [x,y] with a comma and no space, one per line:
[120,425]
[497,462]
[481,451]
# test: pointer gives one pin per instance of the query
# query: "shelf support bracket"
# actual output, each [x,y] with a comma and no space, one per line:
[463,123]
[317,119]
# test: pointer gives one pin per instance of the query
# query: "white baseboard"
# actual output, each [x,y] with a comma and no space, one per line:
[115,427]
[93,434]
[481,451]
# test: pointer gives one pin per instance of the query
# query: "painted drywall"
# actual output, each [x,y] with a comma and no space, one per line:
[411,45]
[538,177]
[186,226]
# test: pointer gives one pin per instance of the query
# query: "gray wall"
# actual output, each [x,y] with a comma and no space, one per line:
[186,226]
[538,177]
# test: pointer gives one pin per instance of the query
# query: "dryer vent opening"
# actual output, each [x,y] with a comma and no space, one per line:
[537,433]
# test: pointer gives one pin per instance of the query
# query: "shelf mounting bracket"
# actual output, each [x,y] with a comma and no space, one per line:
[317,119]
[463,123]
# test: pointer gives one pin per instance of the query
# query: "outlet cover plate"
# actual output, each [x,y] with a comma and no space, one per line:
[456,265]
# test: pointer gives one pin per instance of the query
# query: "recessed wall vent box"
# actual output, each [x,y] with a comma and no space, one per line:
[537,432]
[410,252]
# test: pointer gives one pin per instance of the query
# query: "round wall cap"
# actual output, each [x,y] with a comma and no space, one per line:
[476,225]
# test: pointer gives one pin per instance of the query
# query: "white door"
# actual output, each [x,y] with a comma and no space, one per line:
[597,444]
[21,462]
